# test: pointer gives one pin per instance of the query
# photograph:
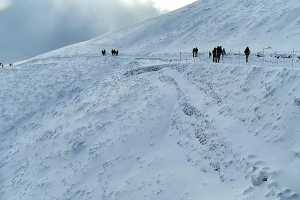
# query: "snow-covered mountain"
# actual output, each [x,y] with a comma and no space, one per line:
[207,23]
[78,126]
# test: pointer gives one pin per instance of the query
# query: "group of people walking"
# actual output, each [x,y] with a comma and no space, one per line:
[114,52]
[217,53]
[2,65]
[195,52]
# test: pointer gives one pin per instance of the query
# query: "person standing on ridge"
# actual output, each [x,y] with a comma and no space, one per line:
[219,53]
[195,52]
[247,54]
[214,52]
[223,53]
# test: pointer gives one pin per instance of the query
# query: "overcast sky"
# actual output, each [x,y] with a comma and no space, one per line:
[31,27]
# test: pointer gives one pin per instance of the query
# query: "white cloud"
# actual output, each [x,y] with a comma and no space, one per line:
[4,4]
[50,24]
[166,5]
[171,4]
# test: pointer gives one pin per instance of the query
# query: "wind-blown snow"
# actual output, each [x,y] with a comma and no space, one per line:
[78,126]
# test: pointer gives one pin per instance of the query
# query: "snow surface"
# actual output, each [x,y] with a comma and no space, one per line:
[78,126]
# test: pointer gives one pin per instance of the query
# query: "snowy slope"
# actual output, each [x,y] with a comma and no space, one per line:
[207,23]
[142,128]
[74,125]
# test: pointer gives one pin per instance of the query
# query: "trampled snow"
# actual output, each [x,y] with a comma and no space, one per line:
[149,125]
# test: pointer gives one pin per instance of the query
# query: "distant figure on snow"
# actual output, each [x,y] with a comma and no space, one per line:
[214,53]
[247,54]
[195,52]
[219,53]
[209,54]
[11,65]
[1,65]
[114,52]
[223,53]
[103,52]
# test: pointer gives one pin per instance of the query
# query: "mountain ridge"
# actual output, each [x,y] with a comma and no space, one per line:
[233,24]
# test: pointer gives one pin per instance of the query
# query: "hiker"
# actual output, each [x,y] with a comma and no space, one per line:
[195,52]
[117,52]
[113,52]
[209,54]
[247,54]
[219,53]
[214,52]
[103,52]
[1,65]
[223,53]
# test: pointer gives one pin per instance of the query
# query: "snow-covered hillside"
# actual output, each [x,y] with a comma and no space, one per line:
[207,23]
[78,126]
[143,128]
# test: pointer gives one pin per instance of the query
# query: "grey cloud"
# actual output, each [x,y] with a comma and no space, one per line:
[30,27]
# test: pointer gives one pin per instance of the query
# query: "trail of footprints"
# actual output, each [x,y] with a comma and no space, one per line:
[257,172]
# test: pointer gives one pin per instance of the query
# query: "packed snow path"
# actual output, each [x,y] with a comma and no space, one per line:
[129,127]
